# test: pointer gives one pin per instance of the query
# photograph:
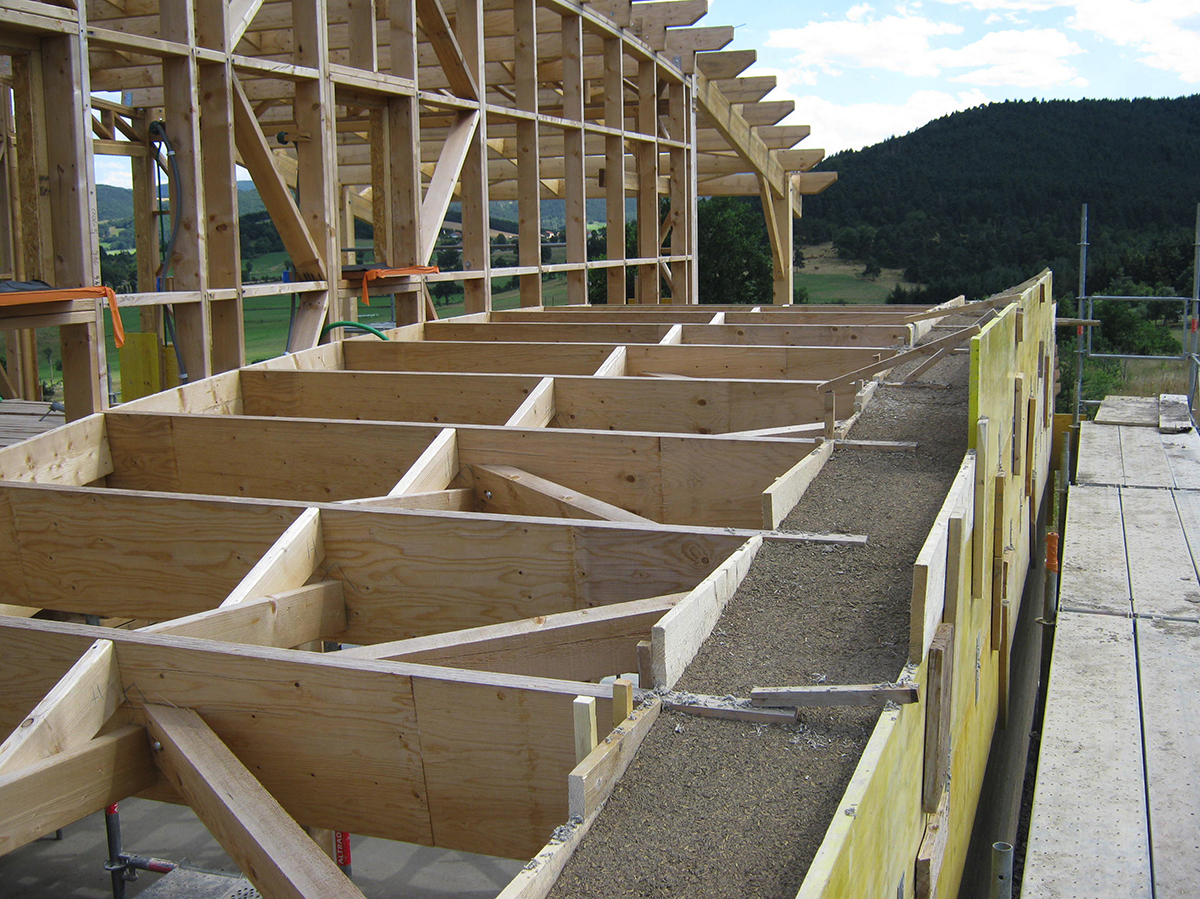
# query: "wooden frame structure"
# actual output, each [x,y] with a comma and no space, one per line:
[384,111]
[498,522]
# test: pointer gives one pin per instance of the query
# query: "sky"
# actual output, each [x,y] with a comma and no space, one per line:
[860,73]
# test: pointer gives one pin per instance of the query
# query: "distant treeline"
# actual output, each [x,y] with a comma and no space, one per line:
[979,200]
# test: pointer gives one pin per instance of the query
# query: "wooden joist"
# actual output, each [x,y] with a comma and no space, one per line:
[279,857]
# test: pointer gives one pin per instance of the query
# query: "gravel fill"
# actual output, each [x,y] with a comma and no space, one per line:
[725,808]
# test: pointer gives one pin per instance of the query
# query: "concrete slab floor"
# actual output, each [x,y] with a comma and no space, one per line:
[73,868]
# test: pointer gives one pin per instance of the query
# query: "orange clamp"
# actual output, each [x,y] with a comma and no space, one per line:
[372,274]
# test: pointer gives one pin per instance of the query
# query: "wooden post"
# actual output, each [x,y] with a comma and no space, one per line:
[649,245]
[529,182]
[614,165]
[76,250]
[189,260]
[215,83]
[586,738]
[680,220]
[399,167]
[476,251]
[645,656]
[316,170]
[939,701]
[145,236]
[784,279]
[622,701]
[573,157]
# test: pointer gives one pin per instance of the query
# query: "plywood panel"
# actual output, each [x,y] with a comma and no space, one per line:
[409,575]
[546,332]
[120,553]
[272,458]
[471,356]
[71,455]
[496,765]
[815,363]
[720,481]
[289,717]
[798,335]
[374,396]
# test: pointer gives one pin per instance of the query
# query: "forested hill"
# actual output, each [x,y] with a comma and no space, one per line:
[979,200]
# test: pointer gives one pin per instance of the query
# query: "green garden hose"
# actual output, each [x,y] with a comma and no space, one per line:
[329,327]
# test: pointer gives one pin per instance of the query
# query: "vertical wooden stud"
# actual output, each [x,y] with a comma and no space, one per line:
[476,252]
[529,200]
[622,701]
[314,110]
[645,656]
[649,245]
[189,258]
[938,704]
[573,157]
[614,165]
[584,711]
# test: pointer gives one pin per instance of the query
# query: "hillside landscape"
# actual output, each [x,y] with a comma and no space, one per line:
[969,204]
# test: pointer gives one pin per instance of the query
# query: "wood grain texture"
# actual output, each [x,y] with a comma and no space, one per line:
[385,396]
[143,556]
[274,458]
[38,799]
[591,782]
[473,356]
[274,851]
[679,635]
[71,714]
[456,572]
[72,455]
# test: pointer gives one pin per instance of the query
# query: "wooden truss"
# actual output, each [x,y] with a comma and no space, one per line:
[385,112]
[497,514]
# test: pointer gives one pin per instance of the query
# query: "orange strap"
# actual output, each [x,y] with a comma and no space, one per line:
[372,274]
[22,297]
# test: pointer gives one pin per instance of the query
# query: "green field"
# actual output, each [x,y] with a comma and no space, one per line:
[842,288]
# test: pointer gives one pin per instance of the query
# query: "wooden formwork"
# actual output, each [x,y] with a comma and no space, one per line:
[915,791]
[484,548]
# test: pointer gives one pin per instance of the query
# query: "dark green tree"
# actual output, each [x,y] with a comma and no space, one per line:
[735,257]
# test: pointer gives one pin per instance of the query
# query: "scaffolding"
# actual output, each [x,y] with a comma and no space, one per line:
[1083,335]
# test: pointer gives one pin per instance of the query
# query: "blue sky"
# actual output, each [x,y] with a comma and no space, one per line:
[863,72]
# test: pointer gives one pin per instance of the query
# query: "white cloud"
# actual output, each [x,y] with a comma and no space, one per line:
[852,127]
[114,170]
[902,43]
[1015,5]
[897,43]
[1033,58]
[1156,28]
